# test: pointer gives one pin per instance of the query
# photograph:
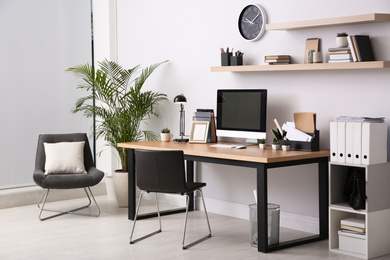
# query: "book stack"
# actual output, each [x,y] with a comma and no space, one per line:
[277,59]
[353,226]
[360,46]
[207,115]
[340,55]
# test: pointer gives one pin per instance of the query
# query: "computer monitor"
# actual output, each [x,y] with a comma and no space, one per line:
[242,113]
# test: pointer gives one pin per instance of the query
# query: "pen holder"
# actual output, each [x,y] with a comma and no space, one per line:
[236,60]
[225,58]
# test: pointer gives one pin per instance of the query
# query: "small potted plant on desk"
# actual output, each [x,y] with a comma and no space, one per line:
[275,145]
[262,144]
[286,145]
[165,135]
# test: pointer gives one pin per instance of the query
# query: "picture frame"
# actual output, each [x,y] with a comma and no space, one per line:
[199,131]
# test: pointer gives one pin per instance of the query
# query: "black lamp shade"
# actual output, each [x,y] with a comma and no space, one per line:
[180,99]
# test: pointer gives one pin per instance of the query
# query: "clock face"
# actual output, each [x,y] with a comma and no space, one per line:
[251,22]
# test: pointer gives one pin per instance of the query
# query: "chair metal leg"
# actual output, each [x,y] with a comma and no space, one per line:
[135,220]
[89,194]
[185,224]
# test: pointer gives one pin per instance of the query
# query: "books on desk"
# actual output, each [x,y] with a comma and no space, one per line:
[207,115]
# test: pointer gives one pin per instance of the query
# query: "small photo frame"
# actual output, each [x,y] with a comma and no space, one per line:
[199,131]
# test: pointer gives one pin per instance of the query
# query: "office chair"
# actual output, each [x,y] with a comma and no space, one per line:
[56,168]
[163,172]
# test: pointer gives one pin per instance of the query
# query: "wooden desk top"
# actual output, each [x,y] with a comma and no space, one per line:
[250,154]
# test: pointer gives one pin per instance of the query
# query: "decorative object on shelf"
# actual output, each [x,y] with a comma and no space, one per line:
[122,106]
[199,131]
[275,145]
[166,135]
[311,44]
[262,144]
[181,99]
[309,56]
[277,59]
[286,145]
[341,40]
[317,57]
[252,21]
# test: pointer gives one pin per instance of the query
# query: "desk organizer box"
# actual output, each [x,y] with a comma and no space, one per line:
[313,145]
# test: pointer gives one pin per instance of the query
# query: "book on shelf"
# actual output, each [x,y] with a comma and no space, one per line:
[344,49]
[352,228]
[361,49]
[277,57]
[355,222]
[277,60]
[352,234]
[339,61]
[340,52]
[340,56]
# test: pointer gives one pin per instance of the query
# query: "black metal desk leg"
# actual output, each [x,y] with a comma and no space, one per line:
[190,178]
[262,208]
[131,183]
[323,183]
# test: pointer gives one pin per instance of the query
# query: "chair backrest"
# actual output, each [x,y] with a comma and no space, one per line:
[160,171]
[40,157]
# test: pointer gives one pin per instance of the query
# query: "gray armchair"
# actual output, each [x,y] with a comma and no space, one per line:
[65,179]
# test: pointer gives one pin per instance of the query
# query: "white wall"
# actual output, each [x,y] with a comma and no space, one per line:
[190,33]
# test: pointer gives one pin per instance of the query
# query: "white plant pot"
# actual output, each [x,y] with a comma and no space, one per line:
[341,42]
[110,187]
[262,146]
[166,137]
[285,147]
[121,188]
[275,146]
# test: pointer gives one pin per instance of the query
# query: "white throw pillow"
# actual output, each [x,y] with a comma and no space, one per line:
[64,157]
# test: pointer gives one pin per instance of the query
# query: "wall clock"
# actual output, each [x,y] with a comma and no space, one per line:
[252,21]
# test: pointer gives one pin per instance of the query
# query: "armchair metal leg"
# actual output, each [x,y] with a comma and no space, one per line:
[185,224]
[135,220]
[72,211]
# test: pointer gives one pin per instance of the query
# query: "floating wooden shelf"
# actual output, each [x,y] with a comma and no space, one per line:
[346,20]
[298,67]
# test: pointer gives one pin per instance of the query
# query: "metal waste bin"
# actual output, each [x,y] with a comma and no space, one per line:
[273,224]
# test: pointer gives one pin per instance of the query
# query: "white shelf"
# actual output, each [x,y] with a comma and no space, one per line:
[345,20]
[304,67]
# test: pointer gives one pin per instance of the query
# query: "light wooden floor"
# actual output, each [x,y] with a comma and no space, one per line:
[24,236]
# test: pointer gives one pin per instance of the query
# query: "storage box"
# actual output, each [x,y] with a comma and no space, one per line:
[313,145]
[354,243]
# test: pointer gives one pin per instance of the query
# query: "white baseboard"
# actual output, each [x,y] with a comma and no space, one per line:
[236,210]
[31,195]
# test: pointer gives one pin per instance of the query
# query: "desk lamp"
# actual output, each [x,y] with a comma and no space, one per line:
[181,99]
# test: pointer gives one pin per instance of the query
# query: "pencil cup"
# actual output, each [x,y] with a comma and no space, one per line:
[309,56]
[236,60]
[225,58]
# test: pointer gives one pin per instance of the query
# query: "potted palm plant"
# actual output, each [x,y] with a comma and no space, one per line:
[115,98]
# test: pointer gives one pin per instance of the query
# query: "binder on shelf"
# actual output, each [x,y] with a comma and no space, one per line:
[341,142]
[207,115]
[333,141]
[374,143]
[357,143]
[349,143]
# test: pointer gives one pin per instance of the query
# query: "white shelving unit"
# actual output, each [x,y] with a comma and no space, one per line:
[376,214]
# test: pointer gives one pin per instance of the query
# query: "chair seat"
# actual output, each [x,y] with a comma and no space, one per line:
[190,187]
[66,181]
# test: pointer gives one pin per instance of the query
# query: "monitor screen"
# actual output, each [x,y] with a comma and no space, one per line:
[242,113]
